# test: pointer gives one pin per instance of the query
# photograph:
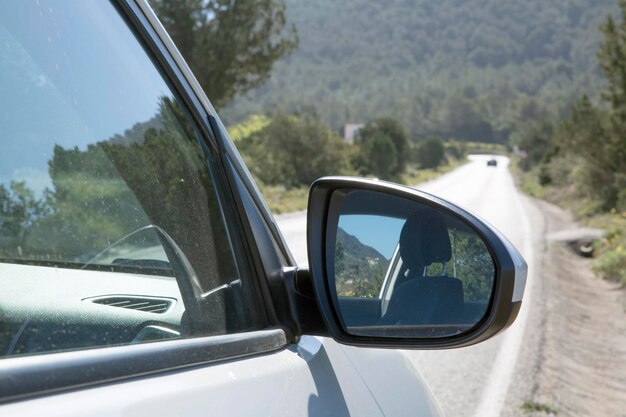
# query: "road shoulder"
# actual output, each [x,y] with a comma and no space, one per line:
[582,353]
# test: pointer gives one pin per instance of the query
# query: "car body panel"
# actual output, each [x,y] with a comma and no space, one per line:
[316,377]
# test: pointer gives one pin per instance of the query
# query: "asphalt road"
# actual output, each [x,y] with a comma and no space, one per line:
[492,378]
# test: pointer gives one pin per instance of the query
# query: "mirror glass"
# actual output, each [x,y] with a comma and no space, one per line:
[399,268]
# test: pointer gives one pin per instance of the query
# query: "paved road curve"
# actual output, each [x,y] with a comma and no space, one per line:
[478,380]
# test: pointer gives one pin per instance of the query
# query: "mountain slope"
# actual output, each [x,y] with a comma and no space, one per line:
[359,268]
[416,60]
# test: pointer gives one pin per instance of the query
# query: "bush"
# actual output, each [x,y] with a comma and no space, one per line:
[294,151]
[611,261]
[431,153]
[378,156]
[383,149]
[612,265]
[455,151]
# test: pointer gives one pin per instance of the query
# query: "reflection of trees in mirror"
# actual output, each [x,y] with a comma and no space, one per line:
[155,173]
[359,269]
[471,263]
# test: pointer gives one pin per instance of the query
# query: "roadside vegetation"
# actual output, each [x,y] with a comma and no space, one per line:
[580,162]
[287,152]
[531,406]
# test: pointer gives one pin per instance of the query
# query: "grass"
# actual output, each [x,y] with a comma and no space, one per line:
[528,181]
[610,262]
[531,406]
[284,200]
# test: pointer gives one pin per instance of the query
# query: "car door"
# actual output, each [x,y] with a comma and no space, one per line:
[133,275]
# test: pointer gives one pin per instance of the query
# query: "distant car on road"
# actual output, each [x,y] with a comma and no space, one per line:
[492,163]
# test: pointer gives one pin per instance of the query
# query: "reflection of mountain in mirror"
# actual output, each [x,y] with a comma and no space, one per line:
[359,269]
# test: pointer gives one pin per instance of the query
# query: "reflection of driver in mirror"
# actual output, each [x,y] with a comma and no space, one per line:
[420,297]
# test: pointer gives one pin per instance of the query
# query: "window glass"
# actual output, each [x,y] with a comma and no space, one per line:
[112,230]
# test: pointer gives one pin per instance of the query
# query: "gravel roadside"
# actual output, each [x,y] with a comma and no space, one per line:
[581,353]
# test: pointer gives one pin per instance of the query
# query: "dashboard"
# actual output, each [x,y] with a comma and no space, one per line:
[44,309]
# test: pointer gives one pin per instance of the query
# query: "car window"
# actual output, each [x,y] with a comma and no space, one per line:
[113,226]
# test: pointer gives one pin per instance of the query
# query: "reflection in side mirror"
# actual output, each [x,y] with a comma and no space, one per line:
[401,268]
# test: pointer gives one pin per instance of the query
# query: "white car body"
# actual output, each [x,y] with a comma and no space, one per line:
[316,377]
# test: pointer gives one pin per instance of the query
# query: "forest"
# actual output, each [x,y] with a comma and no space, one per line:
[468,70]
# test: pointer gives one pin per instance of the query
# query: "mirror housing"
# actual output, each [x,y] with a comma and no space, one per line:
[508,281]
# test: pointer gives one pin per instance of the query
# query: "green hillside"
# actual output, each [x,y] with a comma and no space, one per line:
[470,70]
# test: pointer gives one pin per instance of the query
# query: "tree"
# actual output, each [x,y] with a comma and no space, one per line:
[382,149]
[294,151]
[378,156]
[465,120]
[592,137]
[612,60]
[231,46]
[392,129]
[535,138]
[431,153]
[245,129]
[19,209]
[598,137]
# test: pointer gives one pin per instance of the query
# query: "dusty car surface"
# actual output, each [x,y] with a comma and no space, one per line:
[143,274]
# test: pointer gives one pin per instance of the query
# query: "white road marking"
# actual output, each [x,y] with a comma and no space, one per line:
[494,394]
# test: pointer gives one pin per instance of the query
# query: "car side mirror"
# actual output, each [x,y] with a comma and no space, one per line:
[395,267]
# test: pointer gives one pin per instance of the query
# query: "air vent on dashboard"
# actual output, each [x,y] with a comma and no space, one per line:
[146,304]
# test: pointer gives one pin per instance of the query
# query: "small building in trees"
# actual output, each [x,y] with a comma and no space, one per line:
[350,130]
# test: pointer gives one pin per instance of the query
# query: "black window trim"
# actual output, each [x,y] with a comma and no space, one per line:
[156,39]
[172,65]
[161,49]
[33,376]
[230,161]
